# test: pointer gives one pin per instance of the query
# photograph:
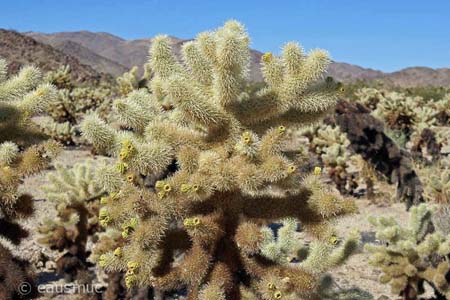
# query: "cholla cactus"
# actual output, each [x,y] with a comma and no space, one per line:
[332,146]
[285,247]
[412,255]
[76,195]
[61,77]
[231,171]
[130,81]
[21,97]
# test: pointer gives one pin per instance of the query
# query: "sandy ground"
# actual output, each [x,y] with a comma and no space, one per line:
[356,272]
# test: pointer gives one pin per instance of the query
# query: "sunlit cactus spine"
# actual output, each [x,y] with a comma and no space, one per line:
[231,174]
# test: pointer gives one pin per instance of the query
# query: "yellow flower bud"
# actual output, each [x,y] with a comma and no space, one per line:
[132,266]
[281,129]
[130,280]
[267,57]
[333,240]
[167,188]
[185,188]
[130,178]
[246,137]
[196,222]
[102,260]
[122,167]
[187,222]
[271,286]
[159,184]
[118,252]
[317,170]
[291,169]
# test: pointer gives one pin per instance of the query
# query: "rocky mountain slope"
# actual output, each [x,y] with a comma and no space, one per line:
[108,53]
[21,50]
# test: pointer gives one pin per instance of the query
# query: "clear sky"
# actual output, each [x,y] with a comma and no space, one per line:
[380,34]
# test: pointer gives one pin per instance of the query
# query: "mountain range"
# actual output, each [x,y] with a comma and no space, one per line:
[107,54]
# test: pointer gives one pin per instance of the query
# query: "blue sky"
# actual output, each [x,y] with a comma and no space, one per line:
[380,34]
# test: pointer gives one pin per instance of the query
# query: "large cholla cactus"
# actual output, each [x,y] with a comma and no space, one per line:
[412,255]
[231,175]
[21,97]
[76,196]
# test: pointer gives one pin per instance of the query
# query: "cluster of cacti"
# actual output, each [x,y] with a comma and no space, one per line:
[224,174]
[411,256]
[370,97]
[398,110]
[73,102]
[418,124]
[21,97]
[77,197]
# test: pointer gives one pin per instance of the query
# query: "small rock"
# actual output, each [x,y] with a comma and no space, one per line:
[383,297]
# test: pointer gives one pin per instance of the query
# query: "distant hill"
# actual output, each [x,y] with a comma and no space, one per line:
[19,50]
[108,53]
